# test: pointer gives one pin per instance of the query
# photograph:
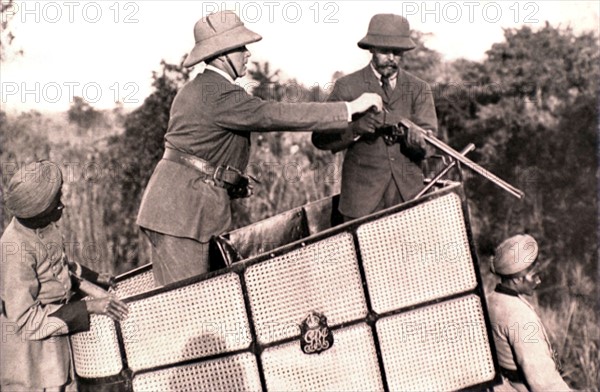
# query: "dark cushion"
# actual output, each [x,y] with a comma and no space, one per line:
[261,237]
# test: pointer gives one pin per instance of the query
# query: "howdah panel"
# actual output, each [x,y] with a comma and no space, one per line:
[417,255]
[350,365]
[441,347]
[189,322]
[323,276]
[233,373]
[96,352]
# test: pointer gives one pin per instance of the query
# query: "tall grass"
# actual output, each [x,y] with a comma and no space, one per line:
[572,323]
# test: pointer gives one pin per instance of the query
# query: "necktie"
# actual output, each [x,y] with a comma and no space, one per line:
[387,90]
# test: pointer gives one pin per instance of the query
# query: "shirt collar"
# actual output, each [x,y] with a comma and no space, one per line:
[220,72]
[39,230]
[505,290]
[378,75]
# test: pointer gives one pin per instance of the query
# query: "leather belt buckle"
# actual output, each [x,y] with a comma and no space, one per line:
[217,176]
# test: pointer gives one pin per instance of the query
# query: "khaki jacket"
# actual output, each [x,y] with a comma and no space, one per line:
[36,317]
[522,342]
[212,119]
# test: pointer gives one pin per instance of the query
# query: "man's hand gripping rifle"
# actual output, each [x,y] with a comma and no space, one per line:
[400,130]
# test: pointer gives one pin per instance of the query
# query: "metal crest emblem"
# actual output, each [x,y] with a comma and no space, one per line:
[315,335]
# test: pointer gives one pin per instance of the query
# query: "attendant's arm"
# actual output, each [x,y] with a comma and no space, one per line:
[26,313]
[104,280]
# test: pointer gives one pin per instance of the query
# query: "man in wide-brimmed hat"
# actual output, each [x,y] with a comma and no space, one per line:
[382,170]
[35,285]
[527,360]
[187,200]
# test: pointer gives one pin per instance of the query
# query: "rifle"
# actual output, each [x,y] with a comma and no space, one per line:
[399,130]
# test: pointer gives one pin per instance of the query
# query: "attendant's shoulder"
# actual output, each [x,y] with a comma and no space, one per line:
[9,233]
[18,243]
[504,304]
[15,233]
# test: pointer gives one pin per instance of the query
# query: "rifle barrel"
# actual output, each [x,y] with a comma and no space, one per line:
[440,145]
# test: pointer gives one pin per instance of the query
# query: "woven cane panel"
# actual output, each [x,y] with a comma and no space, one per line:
[417,255]
[349,365]
[135,285]
[96,352]
[234,373]
[322,277]
[437,348]
[189,322]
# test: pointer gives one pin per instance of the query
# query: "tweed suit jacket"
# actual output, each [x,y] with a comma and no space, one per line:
[369,165]
[212,119]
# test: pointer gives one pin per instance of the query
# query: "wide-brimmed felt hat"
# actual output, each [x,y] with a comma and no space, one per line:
[388,31]
[218,33]
[514,255]
[33,188]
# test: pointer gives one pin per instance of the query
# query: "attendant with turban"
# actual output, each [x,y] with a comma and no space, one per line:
[527,360]
[35,286]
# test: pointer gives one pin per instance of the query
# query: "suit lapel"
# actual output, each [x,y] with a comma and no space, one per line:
[371,83]
[401,83]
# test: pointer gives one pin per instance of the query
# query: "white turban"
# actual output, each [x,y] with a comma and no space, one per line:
[514,255]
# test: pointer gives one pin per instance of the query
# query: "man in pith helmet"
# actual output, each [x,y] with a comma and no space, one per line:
[382,170]
[527,360]
[187,200]
[35,286]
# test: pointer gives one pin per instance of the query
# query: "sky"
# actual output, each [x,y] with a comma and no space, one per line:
[105,51]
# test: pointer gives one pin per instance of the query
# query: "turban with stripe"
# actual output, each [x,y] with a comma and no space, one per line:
[33,188]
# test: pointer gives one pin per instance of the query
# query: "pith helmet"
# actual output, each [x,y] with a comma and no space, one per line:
[33,188]
[218,33]
[388,31]
[514,255]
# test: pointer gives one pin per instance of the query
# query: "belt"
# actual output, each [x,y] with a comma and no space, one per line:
[221,176]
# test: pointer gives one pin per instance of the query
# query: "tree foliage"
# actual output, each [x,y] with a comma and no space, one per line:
[531,108]
[83,114]
[6,34]
[534,118]
[422,61]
